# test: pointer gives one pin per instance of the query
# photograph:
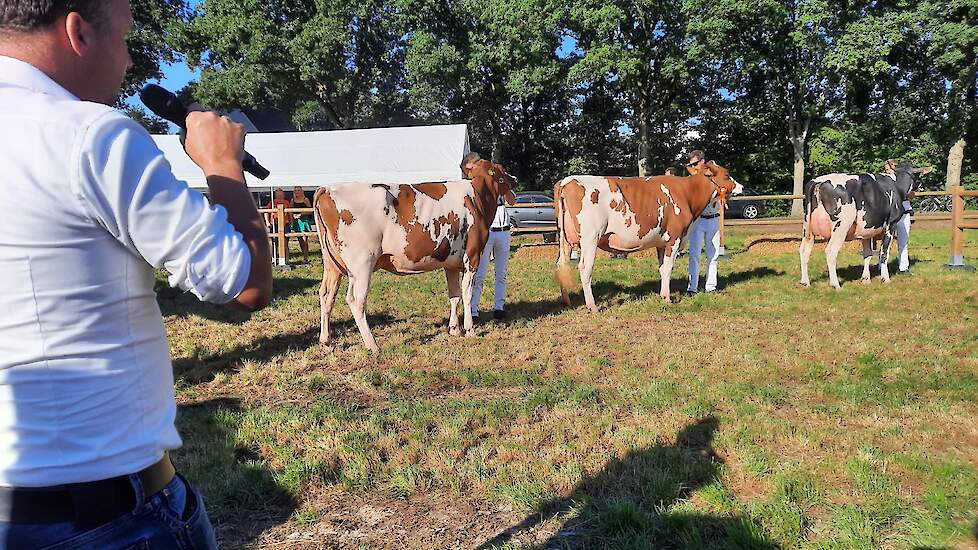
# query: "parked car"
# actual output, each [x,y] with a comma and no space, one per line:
[529,217]
[747,209]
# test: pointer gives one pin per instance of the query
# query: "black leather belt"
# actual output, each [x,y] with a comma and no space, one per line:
[503,228]
[85,504]
[710,217]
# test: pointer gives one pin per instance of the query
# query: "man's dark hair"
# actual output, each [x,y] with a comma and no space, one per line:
[32,15]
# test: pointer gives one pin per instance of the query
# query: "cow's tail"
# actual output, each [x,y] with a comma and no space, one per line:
[326,240]
[807,205]
[563,272]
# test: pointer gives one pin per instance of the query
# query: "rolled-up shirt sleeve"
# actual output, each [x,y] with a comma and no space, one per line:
[127,186]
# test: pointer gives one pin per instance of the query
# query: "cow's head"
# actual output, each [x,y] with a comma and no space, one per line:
[720,177]
[906,182]
[493,176]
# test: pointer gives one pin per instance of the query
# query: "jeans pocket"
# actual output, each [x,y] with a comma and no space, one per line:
[191,517]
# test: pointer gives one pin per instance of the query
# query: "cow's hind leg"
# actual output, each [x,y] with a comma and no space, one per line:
[454,296]
[665,269]
[885,255]
[805,253]
[327,297]
[867,259]
[356,297]
[589,250]
[841,228]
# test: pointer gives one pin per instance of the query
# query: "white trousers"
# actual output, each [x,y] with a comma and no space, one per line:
[704,231]
[903,242]
[498,247]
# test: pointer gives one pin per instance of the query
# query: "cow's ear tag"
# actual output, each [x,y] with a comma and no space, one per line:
[491,173]
[470,175]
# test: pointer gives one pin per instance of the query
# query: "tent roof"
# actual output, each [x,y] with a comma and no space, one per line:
[413,154]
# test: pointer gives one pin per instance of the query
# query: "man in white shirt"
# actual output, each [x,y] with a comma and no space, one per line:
[903,226]
[497,249]
[86,385]
[706,229]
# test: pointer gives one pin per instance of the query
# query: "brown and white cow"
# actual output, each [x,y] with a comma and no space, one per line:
[406,229]
[628,215]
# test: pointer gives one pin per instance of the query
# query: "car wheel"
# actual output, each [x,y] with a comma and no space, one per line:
[751,211]
[549,237]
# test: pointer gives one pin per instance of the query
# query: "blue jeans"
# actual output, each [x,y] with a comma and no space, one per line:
[174,518]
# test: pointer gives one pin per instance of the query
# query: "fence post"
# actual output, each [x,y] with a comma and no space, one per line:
[957,232]
[283,248]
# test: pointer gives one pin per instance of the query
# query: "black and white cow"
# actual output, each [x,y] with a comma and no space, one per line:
[844,207]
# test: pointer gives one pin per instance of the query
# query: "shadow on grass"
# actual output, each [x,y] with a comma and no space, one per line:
[737,277]
[202,369]
[242,495]
[174,301]
[854,273]
[612,293]
[627,505]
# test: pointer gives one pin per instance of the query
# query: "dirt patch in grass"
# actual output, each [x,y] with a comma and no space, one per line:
[345,521]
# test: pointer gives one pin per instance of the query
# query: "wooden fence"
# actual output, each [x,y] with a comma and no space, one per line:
[959,219]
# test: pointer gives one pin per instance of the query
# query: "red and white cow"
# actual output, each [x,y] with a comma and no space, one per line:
[406,229]
[628,215]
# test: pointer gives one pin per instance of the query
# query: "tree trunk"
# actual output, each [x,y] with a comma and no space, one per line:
[954,160]
[644,135]
[497,145]
[331,114]
[798,133]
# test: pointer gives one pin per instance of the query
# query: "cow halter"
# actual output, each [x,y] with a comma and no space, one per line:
[721,192]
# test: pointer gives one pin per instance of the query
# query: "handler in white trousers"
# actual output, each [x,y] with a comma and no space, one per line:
[903,226]
[497,249]
[705,230]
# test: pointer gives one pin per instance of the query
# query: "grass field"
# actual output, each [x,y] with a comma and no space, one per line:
[763,416]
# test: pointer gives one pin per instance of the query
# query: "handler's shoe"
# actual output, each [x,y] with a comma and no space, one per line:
[498,314]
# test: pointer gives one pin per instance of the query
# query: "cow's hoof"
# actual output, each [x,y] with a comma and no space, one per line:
[593,309]
[666,299]
[836,287]
[326,345]
[805,284]
[866,280]
[455,331]
[470,334]
[886,281]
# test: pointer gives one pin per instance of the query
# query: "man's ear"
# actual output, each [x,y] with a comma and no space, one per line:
[80,33]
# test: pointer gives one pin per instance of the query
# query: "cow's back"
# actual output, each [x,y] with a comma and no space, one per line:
[403,228]
[628,213]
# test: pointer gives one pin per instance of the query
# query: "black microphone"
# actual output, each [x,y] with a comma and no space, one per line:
[166,105]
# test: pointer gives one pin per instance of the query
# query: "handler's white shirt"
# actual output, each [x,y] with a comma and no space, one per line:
[91,208]
[501,219]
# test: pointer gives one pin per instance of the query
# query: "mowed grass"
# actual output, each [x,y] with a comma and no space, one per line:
[763,416]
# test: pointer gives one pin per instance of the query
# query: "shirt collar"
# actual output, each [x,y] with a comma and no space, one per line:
[24,75]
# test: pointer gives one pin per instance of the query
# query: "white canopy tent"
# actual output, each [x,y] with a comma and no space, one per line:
[314,159]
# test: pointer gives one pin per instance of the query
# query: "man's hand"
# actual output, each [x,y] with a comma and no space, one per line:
[215,143]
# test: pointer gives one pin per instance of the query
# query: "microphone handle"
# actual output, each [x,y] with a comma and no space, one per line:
[252,166]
